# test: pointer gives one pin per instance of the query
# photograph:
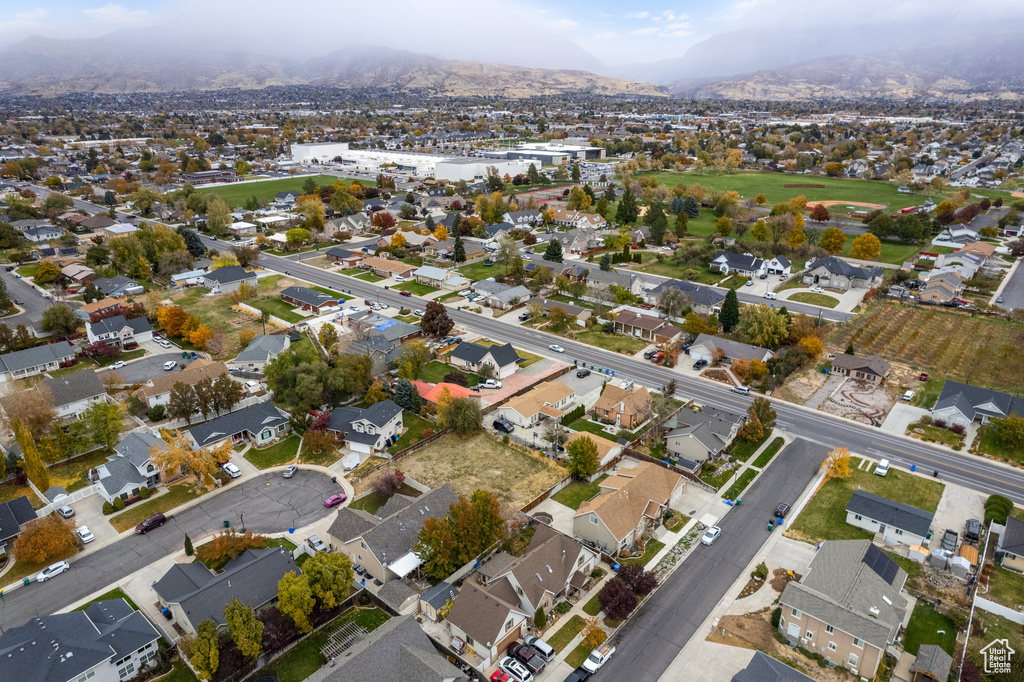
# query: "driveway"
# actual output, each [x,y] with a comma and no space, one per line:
[271,504]
[901,416]
[151,366]
[649,643]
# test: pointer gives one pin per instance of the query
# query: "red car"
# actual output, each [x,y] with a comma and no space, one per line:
[500,676]
[334,499]
[405,293]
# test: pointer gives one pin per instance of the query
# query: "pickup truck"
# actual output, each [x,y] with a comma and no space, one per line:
[598,657]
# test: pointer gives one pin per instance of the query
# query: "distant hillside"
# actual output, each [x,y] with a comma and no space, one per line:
[42,66]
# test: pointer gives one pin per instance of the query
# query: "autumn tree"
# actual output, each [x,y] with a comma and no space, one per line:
[176,454]
[581,458]
[593,634]
[820,213]
[103,422]
[761,408]
[760,231]
[387,483]
[866,247]
[60,320]
[837,464]
[833,240]
[471,526]
[435,321]
[218,215]
[171,318]
[34,407]
[723,226]
[205,657]
[760,325]
[375,393]
[461,415]
[330,577]
[638,579]
[45,540]
[245,629]
[616,599]
[812,345]
[752,430]
[295,600]
[34,468]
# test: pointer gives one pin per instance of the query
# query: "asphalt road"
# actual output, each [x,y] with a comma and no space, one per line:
[976,473]
[33,303]
[270,503]
[1013,291]
[149,367]
[652,639]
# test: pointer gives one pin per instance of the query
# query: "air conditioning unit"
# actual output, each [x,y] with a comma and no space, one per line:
[854,671]
[830,664]
[803,640]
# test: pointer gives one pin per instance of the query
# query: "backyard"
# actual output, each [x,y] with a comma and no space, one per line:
[824,518]
[514,474]
[236,193]
[478,271]
[370,503]
[928,626]
[1006,587]
[578,492]
[415,427]
[974,350]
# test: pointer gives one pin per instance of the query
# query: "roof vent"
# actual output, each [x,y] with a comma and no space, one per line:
[874,611]
[548,566]
[538,577]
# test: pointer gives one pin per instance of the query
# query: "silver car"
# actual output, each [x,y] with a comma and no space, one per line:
[52,570]
[710,535]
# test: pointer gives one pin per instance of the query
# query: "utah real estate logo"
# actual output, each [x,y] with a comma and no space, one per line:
[998,655]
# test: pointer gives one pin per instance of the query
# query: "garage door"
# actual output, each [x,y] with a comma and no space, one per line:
[700,353]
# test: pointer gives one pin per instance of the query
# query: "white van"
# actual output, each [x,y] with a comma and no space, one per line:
[770,295]
[742,390]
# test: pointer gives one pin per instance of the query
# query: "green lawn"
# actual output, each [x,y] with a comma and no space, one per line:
[578,655]
[617,343]
[769,452]
[28,270]
[925,627]
[371,503]
[670,269]
[180,673]
[528,358]
[991,445]
[126,356]
[565,634]
[824,518]
[370,277]
[592,607]
[823,300]
[415,426]
[740,484]
[352,272]
[1006,587]
[743,449]
[584,424]
[237,193]
[175,496]
[276,455]
[935,434]
[435,371]
[716,478]
[927,394]
[478,271]
[575,494]
[77,367]
[735,282]
[447,297]
[417,288]
[116,593]
[650,549]
[277,308]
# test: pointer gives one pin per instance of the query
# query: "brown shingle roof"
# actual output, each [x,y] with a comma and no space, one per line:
[604,445]
[540,399]
[99,305]
[479,614]
[197,371]
[873,363]
[636,401]
[632,490]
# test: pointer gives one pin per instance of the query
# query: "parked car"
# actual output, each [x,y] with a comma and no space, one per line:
[118,365]
[501,676]
[649,353]
[164,343]
[817,290]
[710,535]
[882,468]
[231,470]
[657,357]
[973,532]
[419,313]
[541,647]
[66,511]
[598,657]
[527,656]
[316,544]
[154,521]
[515,669]
[949,540]
[335,499]
[580,674]
[781,510]
[555,347]
[490,383]
[52,570]
[169,365]
[770,295]
[405,293]
[749,283]
[290,470]
[84,534]
[502,424]
[400,280]
[524,317]
[9,268]
[908,396]
[581,373]
[700,364]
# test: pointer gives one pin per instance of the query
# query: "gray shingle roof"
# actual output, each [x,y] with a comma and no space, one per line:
[739,261]
[933,660]
[378,414]
[109,325]
[838,266]
[230,273]
[698,293]
[961,395]
[439,594]
[263,348]
[764,668]
[250,419]
[891,513]
[109,285]
[121,470]
[13,515]
[73,387]
[308,296]
[1012,540]
[474,353]
[732,349]
[37,356]
[871,363]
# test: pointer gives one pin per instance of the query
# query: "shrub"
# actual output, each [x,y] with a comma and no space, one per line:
[226,546]
[156,413]
[925,420]
[617,599]
[760,572]
[563,607]
[639,581]
[506,439]
[776,617]
[404,311]
[997,508]
[144,492]
[108,509]
[118,504]
[597,573]
[540,619]
[958,429]
[941,423]
[364,599]
[958,617]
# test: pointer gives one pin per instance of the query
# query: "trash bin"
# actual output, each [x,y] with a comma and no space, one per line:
[227,524]
[26,582]
[184,353]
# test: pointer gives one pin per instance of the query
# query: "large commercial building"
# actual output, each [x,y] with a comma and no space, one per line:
[476,169]
[421,165]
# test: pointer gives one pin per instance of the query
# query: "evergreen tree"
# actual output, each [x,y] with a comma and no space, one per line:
[459,250]
[553,252]
[659,223]
[576,171]
[189,550]
[730,315]
[192,241]
[627,211]
[849,349]
[430,223]
[606,262]
[682,223]
[407,396]
[691,207]
[532,176]
[677,205]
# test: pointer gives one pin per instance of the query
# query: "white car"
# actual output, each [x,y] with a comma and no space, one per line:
[555,347]
[770,295]
[164,342]
[419,313]
[85,535]
[515,669]
[169,365]
[749,283]
[490,383]
[400,280]
[817,290]
[908,396]
[52,570]
[118,365]
[882,468]
[710,535]
[251,385]
[232,470]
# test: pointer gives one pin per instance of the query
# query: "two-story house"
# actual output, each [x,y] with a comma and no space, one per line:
[130,467]
[157,391]
[697,437]
[625,407]
[120,331]
[369,431]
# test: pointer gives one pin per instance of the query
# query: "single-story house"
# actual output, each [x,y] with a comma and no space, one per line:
[242,229]
[607,450]
[1010,550]
[501,296]
[899,523]
[42,233]
[631,504]
[832,272]
[343,256]
[309,299]
[118,285]
[581,314]
[624,407]
[129,469]
[228,278]
[547,399]
[648,327]
[261,424]
[486,622]
[78,273]
[262,350]
[962,404]
[697,437]
[704,346]
[764,668]
[97,222]
[431,276]
[369,431]
[31,361]
[194,593]
[14,515]
[743,264]
[870,368]
[189,278]
[157,390]
[384,267]
[471,357]
[703,299]
[120,331]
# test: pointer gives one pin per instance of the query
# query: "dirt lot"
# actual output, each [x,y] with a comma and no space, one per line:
[516,475]
[861,401]
[975,350]
[801,385]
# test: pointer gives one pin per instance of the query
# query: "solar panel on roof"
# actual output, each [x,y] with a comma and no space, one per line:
[881,564]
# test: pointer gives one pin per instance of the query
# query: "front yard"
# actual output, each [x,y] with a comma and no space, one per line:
[416,288]
[650,549]
[824,518]
[175,496]
[989,444]
[617,343]
[275,455]
[823,300]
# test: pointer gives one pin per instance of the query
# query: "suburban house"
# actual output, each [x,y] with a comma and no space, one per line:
[942,288]
[848,607]
[129,469]
[260,424]
[309,299]
[779,265]
[631,504]
[78,273]
[962,404]
[383,543]
[899,524]
[743,264]
[157,391]
[697,437]
[579,313]
[870,368]
[578,219]
[440,278]
[344,257]
[369,431]
[109,641]
[72,394]
[100,308]
[471,357]
[502,296]
[120,331]
[432,393]
[485,622]
[705,345]
[764,668]
[624,407]
[397,650]
[14,515]
[97,222]
[228,278]
[118,285]
[529,216]
[704,300]
[607,450]
[36,360]
[547,399]
[648,327]
[1010,550]
[353,224]
[42,233]
[262,350]
[554,567]
[194,593]
[383,267]
[832,272]
[474,249]
[242,229]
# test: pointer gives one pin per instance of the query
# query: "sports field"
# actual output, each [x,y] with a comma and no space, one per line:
[236,193]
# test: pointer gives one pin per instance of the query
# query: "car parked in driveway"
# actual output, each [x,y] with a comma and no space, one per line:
[582,373]
[525,654]
[65,511]
[502,424]
[541,647]
[316,544]
[334,500]
[231,470]
[515,669]
[700,364]
[817,290]
[490,383]
[84,534]
[52,570]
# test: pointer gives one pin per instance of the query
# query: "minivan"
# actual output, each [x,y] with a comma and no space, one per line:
[169,365]
[742,390]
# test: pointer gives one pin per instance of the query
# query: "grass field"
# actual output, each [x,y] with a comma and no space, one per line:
[434,371]
[824,518]
[617,343]
[924,628]
[478,271]
[814,299]
[236,193]
[276,455]
[974,350]
[575,494]
[417,288]
[769,452]
[990,445]
[415,426]
[1006,587]
[370,277]
[9,490]
[483,462]
[669,269]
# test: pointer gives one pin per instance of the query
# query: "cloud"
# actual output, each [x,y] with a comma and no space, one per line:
[118,16]
[37,14]
[606,36]
[563,24]
[637,15]
[645,31]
